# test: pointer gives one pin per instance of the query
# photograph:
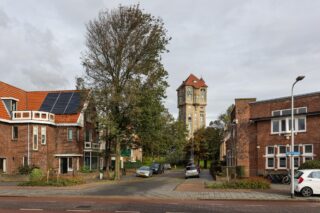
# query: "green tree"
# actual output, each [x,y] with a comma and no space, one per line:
[123,64]
[206,142]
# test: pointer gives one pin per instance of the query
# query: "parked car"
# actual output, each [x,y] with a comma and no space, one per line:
[307,182]
[197,166]
[191,171]
[144,171]
[157,168]
[167,166]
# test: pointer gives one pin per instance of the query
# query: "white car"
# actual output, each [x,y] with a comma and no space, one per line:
[307,182]
[144,171]
[191,171]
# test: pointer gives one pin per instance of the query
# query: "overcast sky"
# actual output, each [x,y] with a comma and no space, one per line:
[241,48]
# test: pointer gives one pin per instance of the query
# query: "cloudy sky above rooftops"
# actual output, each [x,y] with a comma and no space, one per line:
[241,48]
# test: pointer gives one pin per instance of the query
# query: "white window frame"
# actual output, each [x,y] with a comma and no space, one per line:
[296,110]
[288,123]
[282,155]
[304,150]
[307,155]
[69,138]
[43,135]
[268,155]
[35,140]
[13,138]
[70,169]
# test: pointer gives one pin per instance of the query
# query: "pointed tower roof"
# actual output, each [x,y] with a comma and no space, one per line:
[193,81]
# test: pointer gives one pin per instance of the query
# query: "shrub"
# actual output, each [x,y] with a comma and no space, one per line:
[311,164]
[248,183]
[85,169]
[132,165]
[36,175]
[26,169]
[54,182]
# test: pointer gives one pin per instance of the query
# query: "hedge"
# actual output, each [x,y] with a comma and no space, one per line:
[311,164]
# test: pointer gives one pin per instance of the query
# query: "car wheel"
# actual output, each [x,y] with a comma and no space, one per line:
[186,177]
[306,192]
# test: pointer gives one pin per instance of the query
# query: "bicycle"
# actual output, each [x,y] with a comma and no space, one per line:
[286,179]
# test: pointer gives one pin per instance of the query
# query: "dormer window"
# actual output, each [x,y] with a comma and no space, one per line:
[11,104]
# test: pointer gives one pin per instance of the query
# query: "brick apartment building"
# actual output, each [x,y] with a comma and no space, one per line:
[49,129]
[259,136]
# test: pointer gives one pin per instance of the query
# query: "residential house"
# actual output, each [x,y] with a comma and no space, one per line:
[53,130]
[260,133]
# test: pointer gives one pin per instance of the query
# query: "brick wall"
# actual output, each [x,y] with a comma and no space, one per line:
[244,137]
[56,143]
[265,138]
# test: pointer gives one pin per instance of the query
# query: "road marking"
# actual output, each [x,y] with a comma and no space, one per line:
[31,209]
[78,210]
[176,212]
[254,205]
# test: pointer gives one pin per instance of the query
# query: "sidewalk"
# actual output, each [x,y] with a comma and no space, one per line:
[176,188]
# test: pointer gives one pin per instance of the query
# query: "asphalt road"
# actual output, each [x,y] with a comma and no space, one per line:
[49,204]
[133,185]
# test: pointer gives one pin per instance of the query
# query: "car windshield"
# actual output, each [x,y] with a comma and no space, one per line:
[144,168]
[191,168]
[298,174]
[155,165]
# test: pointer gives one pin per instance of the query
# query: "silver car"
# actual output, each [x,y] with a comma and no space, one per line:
[144,171]
[191,171]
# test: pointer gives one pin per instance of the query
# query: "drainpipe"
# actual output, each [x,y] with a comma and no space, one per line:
[28,144]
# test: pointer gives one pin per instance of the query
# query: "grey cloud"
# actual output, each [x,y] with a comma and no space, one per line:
[44,79]
[241,48]
[4,19]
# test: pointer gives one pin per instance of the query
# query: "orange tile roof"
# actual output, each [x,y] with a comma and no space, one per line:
[31,101]
[193,81]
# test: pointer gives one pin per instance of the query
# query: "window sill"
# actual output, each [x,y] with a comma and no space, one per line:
[286,133]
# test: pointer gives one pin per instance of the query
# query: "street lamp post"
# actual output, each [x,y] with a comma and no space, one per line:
[299,78]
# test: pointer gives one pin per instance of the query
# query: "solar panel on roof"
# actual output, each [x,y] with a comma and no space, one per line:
[48,102]
[74,104]
[61,103]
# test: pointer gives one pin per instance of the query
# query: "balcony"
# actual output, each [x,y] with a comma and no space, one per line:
[91,145]
[32,115]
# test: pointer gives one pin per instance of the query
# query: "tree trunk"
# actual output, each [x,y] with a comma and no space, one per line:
[107,159]
[205,164]
[117,166]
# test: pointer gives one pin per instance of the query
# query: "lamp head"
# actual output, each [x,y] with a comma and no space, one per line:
[300,77]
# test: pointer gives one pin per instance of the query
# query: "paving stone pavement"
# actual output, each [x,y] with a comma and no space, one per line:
[174,189]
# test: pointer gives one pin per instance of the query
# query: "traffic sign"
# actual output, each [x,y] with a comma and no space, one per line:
[293,153]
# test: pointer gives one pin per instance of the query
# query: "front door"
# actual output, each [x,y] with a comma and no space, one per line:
[64,165]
